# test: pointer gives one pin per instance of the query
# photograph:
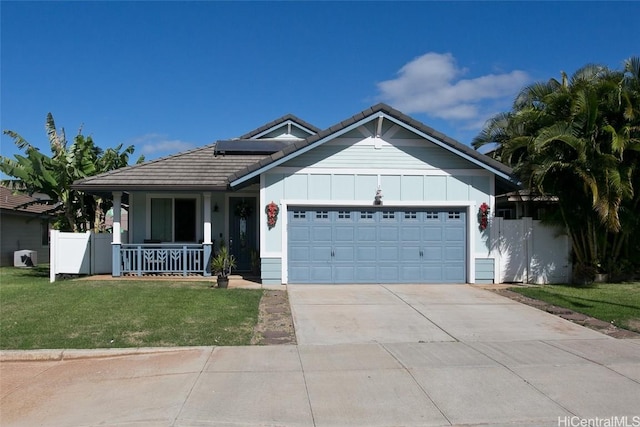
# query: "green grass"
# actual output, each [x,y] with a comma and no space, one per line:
[102,314]
[612,302]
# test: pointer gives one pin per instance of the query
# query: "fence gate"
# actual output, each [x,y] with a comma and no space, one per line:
[79,253]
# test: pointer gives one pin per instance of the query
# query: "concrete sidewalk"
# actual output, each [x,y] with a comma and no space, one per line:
[451,361]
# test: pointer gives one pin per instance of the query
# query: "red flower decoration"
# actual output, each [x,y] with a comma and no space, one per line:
[272,211]
[483,214]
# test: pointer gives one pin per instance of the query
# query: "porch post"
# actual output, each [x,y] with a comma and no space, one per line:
[116,240]
[206,242]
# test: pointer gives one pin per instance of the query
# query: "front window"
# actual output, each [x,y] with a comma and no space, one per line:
[173,219]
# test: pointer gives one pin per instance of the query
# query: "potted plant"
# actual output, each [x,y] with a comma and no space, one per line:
[222,264]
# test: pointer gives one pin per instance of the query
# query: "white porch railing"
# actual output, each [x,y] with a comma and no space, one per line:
[165,258]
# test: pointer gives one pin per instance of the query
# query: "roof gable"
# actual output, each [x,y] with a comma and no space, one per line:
[373,119]
[285,127]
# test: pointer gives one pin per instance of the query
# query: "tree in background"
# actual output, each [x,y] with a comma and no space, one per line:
[36,172]
[579,139]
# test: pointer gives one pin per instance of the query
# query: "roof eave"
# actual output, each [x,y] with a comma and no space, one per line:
[133,187]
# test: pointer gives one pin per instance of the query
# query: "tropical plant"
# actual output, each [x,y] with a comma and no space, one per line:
[578,139]
[223,262]
[53,176]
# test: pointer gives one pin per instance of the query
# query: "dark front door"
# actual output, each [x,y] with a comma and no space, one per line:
[242,230]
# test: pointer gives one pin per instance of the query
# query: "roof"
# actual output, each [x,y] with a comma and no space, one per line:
[202,170]
[277,122]
[10,201]
[439,138]
[250,146]
[196,170]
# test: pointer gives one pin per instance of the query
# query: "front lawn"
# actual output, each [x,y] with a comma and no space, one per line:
[103,314]
[612,302]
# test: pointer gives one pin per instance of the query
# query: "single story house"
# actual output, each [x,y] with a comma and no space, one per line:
[376,198]
[24,225]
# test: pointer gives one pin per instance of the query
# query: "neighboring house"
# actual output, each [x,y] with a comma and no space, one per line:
[22,228]
[376,198]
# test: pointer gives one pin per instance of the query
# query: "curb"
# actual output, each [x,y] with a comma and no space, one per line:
[56,355]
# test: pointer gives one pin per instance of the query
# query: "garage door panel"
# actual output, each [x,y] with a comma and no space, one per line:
[410,253]
[299,273]
[344,234]
[388,253]
[299,234]
[367,233]
[319,254]
[321,274]
[366,273]
[432,273]
[454,234]
[411,273]
[410,234]
[321,233]
[454,273]
[301,254]
[432,233]
[343,273]
[454,253]
[343,253]
[375,246]
[388,234]
[388,273]
[366,253]
[432,254]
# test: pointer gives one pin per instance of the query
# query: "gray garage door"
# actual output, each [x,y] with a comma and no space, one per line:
[348,245]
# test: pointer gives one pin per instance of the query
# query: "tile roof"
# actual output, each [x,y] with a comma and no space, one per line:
[10,201]
[200,170]
[197,170]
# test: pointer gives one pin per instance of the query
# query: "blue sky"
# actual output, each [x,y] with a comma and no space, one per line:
[170,76]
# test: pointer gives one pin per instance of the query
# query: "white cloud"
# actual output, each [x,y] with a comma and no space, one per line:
[433,84]
[155,143]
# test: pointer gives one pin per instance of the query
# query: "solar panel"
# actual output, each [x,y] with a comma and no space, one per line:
[249,146]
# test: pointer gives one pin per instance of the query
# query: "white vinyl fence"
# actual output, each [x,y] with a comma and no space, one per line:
[527,251]
[79,253]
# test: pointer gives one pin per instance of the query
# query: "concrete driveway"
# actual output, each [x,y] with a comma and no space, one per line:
[366,356]
[419,313]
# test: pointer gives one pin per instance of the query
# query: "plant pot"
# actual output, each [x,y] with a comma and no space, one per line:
[223,282]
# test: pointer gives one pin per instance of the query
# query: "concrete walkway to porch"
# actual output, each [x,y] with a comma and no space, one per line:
[373,355]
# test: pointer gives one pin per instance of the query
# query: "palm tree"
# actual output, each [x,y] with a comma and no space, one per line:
[578,139]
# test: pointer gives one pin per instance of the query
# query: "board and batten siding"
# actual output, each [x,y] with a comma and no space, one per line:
[409,172]
[403,154]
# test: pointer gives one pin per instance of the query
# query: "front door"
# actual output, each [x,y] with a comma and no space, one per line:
[242,230]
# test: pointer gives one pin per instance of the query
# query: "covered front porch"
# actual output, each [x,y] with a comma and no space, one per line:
[172,234]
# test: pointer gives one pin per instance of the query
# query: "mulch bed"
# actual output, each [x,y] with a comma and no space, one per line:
[275,323]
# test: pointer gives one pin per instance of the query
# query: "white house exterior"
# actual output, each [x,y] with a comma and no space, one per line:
[377,198]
